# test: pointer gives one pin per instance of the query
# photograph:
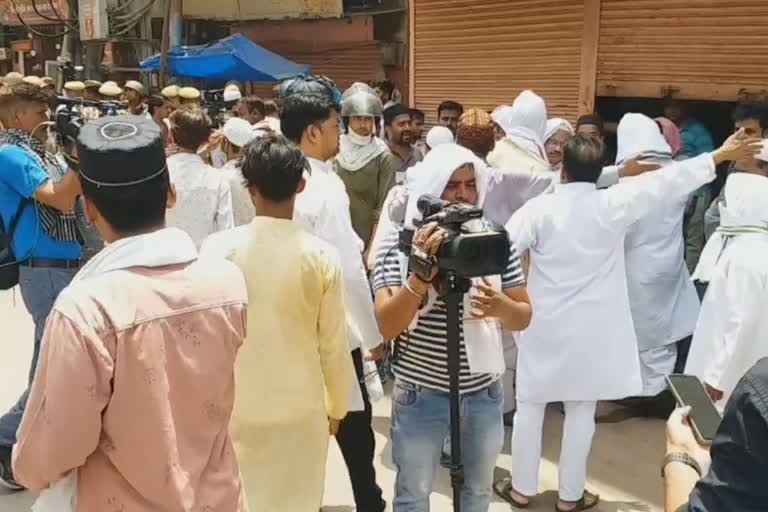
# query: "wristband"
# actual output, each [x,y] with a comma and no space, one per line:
[680,457]
[414,292]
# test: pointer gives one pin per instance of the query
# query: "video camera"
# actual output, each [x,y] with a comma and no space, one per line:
[474,246]
[216,108]
[69,115]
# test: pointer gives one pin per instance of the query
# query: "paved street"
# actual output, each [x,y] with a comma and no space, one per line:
[624,467]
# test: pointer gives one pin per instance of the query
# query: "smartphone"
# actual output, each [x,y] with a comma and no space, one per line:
[705,418]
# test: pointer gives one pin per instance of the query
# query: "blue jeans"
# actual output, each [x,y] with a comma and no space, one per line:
[39,289]
[420,424]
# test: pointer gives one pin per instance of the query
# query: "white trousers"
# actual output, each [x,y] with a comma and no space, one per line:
[578,430]
[508,377]
[655,364]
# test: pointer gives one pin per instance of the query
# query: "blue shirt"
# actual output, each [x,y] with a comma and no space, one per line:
[696,139]
[20,176]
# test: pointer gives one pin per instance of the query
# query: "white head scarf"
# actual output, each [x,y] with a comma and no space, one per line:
[431,176]
[638,134]
[439,135]
[355,151]
[743,210]
[525,123]
[556,124]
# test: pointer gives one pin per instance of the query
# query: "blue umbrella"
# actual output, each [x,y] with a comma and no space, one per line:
[233,58]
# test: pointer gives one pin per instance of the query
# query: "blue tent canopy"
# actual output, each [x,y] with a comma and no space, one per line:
[233,58]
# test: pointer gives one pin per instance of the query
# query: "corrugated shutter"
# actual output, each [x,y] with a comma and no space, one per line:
[697,49]
[483,53]
[344,63]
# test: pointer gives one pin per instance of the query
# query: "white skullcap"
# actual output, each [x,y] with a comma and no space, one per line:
[439,135]
[232,93]
[238,131]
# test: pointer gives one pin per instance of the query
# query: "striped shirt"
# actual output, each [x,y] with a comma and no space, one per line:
[422,355]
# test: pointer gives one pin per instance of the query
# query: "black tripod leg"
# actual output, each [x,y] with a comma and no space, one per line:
[453,300]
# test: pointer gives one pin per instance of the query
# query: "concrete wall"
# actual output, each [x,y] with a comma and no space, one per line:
[235,10]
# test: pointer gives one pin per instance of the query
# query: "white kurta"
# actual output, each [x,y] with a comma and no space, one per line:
[203,198]
[732,333]
[323,210]
[581,344]
[662,297]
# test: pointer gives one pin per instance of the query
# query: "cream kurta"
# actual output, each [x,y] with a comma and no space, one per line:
[296,347]
[135,385]
[581,344]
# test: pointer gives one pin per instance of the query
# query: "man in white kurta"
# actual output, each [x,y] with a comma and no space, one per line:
[662,297]
[323,210]
[733,327]
[581,345]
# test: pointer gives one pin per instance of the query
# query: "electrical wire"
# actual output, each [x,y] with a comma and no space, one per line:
[134,14]
[122,27]
[32,30]
[56,12]
[121,7]
[37,11]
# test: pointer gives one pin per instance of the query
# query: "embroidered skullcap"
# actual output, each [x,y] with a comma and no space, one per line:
[475,132]
[120,151]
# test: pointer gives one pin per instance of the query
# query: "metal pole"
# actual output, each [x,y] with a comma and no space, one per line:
[453,299]
[164,43]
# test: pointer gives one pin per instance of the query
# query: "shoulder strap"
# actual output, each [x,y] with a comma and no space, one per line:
[15,219]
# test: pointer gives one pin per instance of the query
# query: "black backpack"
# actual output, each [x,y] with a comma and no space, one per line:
[9,266]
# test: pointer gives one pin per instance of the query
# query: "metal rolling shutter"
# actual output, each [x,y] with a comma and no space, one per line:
[482,53]
[344,63]
[695,49]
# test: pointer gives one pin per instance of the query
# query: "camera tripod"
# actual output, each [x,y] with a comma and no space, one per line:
[454,289]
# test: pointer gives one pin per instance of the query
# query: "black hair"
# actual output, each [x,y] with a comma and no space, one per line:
[385,85]
[270,108]
[583,158]
[274,166]
[376,124]
[254,104]
[131,209]
[19,94]
[592,119]
[450,105]
[301,110]
[751,110]
[417,114]
[155,101]
[394,111]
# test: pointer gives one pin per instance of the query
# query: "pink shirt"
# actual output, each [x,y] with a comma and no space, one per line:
[135,390]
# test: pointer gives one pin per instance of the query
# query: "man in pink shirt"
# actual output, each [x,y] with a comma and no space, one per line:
[131,403]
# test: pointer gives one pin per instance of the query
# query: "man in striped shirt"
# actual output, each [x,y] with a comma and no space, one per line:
[420,410]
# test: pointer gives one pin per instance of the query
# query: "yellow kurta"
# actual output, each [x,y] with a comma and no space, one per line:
[293,370]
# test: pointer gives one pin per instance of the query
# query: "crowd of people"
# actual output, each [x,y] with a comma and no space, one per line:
[211,304]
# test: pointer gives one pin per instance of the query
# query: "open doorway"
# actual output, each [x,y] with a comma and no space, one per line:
[715,115]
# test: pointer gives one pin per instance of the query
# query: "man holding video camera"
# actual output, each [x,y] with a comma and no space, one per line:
[35,190]
[411,309]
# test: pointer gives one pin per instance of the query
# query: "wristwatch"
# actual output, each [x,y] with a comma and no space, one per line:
[680,457]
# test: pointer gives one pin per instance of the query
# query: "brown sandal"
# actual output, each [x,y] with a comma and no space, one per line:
[587,501]
[503,489]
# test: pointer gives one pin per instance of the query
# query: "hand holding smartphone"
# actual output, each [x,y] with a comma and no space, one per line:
[704,417]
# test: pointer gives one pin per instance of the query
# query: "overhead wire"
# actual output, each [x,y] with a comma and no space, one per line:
[34,31]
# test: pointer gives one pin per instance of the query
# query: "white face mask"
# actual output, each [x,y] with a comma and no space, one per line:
[359,139]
